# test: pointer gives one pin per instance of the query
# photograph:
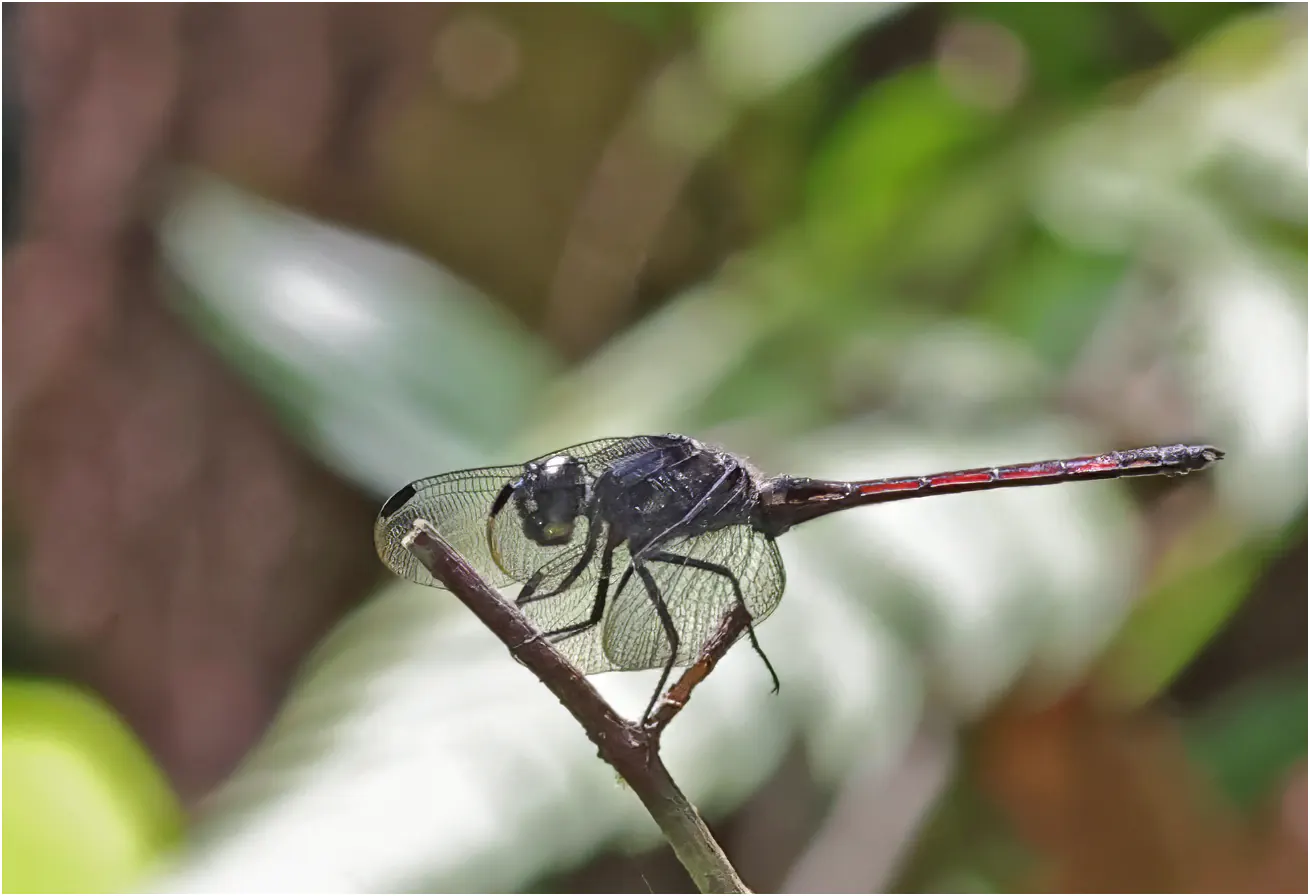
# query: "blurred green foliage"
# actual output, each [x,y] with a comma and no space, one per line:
[1179,617]
[85,809]
[1253,736]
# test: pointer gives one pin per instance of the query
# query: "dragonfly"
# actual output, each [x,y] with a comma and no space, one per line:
[631,551]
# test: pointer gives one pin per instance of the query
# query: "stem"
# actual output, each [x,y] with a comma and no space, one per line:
[631,750]
[733,624]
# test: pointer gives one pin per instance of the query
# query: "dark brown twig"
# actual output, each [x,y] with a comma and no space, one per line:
[633,751]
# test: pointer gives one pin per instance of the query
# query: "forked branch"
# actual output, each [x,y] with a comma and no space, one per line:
[631,749]
[734,624]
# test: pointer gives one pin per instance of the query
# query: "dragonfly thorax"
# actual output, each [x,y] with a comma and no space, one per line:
[673,491]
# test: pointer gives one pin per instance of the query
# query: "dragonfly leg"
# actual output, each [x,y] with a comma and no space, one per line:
[670,631]
[598,607]
[528,594]
[719,569]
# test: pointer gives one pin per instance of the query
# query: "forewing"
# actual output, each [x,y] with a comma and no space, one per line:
[598,454]
[697,599]
[458,504]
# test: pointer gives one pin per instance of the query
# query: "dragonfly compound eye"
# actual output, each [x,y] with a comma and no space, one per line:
[551,497]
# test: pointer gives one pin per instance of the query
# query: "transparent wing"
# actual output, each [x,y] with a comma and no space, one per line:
[598,454]
[458,504]
[697,598]
[574,606]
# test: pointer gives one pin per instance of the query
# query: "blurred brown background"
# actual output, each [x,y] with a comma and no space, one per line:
[178,539]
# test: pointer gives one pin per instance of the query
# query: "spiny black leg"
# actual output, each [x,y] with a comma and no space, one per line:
[718,569]
[527,595]
[662,610]
[530,586]
[598,607]
[597,613]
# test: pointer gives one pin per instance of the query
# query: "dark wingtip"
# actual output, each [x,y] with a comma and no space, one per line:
[396,501]
[1208,454]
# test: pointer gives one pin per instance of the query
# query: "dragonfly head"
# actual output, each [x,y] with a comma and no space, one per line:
[550,497]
